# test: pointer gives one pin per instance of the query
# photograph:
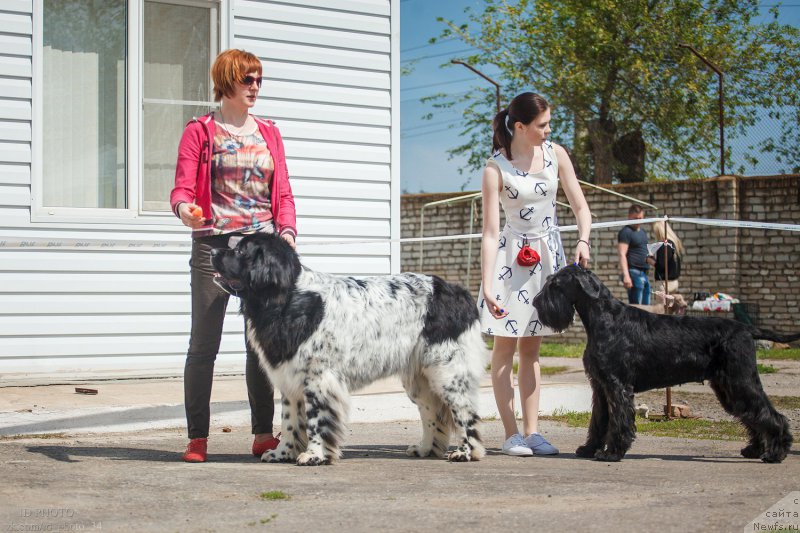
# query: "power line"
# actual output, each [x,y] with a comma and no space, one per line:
[420,58]
[435,84]
[441,123]
[421,133]
[417,99]
[427,45]
[403,136]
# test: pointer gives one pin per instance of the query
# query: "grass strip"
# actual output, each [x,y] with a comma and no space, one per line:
[686,428]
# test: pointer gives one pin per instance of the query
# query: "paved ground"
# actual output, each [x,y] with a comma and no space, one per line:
[134,481]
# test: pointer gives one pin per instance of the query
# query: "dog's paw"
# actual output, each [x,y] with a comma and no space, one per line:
[459,456]
[586,451]
[416,450]
[478,452]
[282,454]
[307,459]
[608,457]
[752,451]
[773,458]
[273,456]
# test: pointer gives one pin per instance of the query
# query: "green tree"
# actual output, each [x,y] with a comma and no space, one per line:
[623,89]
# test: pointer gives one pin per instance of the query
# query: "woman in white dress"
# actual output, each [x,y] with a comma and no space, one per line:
[523,176]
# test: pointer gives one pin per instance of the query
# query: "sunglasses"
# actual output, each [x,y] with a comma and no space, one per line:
[248,81]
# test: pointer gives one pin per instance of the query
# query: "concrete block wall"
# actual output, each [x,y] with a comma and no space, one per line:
[755,265]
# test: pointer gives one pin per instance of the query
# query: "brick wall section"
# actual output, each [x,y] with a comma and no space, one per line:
[757,266]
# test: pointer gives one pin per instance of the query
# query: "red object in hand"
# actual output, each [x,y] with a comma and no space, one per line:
[527,256]
[197,212]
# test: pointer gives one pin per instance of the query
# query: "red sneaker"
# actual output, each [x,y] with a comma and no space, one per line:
[196,451]
[270,444]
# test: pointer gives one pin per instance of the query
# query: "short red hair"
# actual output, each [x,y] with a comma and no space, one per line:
[230,68]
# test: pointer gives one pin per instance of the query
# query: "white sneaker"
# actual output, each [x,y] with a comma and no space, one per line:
[539,445]
[515,445]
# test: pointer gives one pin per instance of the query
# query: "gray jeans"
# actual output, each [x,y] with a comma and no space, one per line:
[208,313]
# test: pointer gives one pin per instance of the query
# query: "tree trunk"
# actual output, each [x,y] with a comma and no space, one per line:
[629,152]
[581,158]
[601,142]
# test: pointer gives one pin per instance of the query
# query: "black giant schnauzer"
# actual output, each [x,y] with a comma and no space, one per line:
[630,350]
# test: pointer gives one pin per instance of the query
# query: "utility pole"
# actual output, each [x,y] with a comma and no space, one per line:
[484,76]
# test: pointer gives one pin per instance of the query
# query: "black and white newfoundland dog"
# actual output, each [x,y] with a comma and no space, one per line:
[320,336]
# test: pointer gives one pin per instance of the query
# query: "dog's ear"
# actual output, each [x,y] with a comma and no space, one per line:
[590,284]
[266,272]
[272,265]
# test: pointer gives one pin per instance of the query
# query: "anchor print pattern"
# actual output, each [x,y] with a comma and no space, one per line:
[511,326]
[522,296]
[527,213]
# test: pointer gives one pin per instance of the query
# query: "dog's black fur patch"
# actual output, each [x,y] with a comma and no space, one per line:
[451,311]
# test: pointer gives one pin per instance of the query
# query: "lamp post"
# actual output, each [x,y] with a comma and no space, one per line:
[484,76]
[719,73]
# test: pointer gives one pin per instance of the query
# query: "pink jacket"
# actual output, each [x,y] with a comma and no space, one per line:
[193,172]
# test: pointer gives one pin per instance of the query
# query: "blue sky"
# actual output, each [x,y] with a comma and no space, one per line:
[424,161]
[424,164]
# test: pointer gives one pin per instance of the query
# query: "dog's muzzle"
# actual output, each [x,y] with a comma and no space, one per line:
[230,286]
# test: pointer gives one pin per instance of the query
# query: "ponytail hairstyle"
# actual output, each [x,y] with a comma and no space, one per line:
[523,108]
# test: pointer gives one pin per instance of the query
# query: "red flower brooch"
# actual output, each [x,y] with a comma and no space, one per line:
[527,256]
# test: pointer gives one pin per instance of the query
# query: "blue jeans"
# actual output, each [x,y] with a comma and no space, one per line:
[640,292]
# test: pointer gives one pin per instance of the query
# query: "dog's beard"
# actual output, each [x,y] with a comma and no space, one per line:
[554,310]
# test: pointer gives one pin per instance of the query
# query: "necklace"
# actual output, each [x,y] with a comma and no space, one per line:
[225,127]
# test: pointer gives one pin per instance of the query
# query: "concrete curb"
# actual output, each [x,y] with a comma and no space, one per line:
[382,403]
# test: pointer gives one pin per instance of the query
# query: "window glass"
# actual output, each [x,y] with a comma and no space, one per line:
[177,48]
[84,128]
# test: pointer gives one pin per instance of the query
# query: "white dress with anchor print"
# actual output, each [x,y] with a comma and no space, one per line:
[529,204]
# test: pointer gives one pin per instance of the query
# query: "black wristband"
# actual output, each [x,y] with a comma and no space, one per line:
[587,243]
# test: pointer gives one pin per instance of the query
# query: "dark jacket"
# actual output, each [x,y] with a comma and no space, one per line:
[673,263]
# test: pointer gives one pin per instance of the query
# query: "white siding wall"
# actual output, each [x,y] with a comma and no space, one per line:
[331,86]
[328,87]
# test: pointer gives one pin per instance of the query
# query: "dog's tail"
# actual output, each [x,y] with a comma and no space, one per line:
[769,335]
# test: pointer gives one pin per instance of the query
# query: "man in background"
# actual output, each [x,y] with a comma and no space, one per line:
[633,258]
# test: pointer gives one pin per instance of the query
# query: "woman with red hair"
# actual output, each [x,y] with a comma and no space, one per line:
[231,179]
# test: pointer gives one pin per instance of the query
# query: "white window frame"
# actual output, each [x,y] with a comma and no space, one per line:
[133,213]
